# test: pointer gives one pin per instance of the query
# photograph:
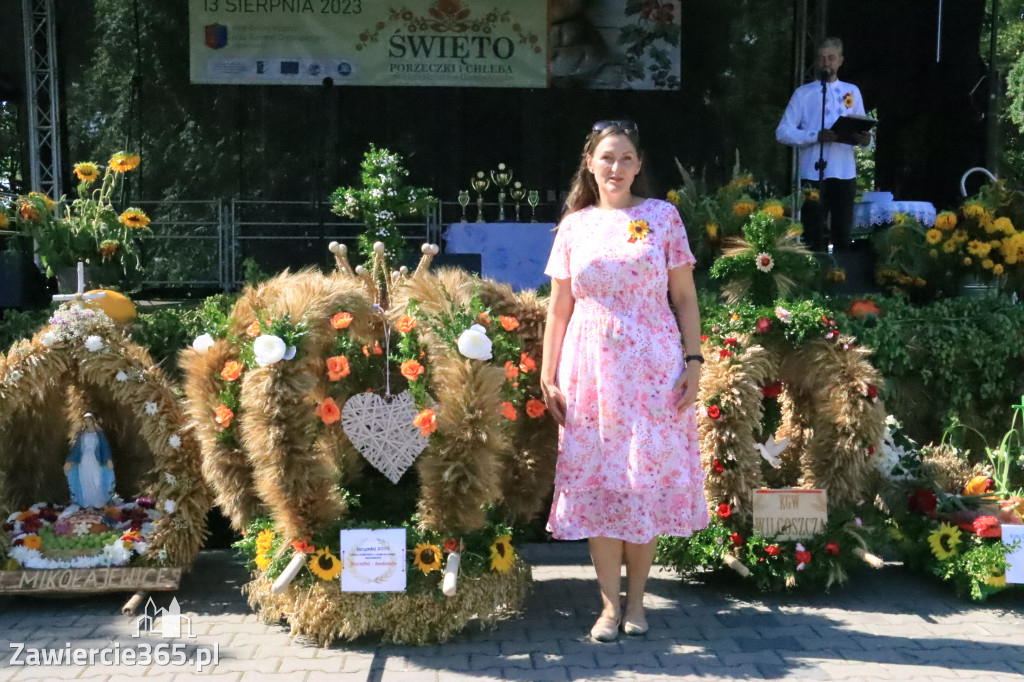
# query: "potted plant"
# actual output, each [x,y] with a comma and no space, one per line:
[87,229]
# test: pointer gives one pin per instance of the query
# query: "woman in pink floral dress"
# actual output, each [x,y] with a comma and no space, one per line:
[614,374]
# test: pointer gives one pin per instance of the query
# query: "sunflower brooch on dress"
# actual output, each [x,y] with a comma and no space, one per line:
[638,230]
[848,100]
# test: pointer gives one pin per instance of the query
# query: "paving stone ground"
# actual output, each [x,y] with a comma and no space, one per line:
[885,625]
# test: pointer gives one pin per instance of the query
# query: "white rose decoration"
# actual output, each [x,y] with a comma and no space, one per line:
[203,343]
[49,339]
[93,343]
[474,344]
[269,349]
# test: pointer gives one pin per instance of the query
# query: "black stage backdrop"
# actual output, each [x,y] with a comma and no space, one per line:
[124,80]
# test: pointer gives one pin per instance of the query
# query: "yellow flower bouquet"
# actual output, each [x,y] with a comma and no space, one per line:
[89,228]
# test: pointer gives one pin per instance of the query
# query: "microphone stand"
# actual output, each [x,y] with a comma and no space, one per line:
[821,163]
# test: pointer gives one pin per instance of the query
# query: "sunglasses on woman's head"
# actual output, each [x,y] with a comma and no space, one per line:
[626,125]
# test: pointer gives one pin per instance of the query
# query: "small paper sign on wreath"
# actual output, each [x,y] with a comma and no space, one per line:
[383,431]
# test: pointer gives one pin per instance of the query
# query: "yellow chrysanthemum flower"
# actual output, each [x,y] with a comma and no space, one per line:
[87,171]
[959,236]
[1012,249]
[1004,225]
[325,565]
[986,221]
[978,249]
[987,264]
[742,209]
[122,162]
[944,541]
[775,210]
[933,253]
[933,236]
[134,218]
[945,220]
[997,269]
[502,554]
[973,209]
[949,246]
[673,197]
[427,557]
[264,541]
[712,230]
[967,261]
[262,561]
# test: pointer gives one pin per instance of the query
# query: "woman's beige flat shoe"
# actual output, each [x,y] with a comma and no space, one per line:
[635,627]
[606,629]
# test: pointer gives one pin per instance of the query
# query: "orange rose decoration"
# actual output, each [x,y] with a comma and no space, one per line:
[508,410]
[328,411]
[535,408]
[405,324]
[337,368]
[426,422]
[412,370]
[484,318]
[508,323]
[232,370]
[223,415]
[341,320]
[377,350]
[526,363]
[253,329]
[511,371]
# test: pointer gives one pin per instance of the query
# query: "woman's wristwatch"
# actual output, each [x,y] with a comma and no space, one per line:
[688,358]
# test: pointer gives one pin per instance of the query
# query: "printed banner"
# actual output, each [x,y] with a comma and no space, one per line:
[463,43]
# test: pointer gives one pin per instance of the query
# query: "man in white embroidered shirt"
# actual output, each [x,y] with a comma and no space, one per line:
[801,128]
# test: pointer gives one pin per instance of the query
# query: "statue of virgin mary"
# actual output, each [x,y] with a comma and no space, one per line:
[90,467]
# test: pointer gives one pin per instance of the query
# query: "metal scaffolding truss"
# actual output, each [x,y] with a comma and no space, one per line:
[43,95]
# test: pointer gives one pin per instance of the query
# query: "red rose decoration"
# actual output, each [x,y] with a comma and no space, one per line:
[737,540]
[450,545]
[803,557]
[714,412]
[717,466]
[922,501]
[731,341]
[772,390]
[832,548]
[872,391]
[703,337]
[724,511]
[773,550]
[724,353]
[764,325]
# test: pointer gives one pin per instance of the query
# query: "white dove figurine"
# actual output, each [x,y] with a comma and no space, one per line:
[771,450]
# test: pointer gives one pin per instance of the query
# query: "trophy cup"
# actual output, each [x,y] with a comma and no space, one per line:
[463,202]
[480,183]
[501,178]
[533,198]
[518,194]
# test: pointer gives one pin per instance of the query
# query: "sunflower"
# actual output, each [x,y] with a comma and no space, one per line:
[109,248]
[325,565]
[638,230]
[502,554]
[87,171]
[427,557]
[122,163]
[264,541]
[944,541]
[134,217]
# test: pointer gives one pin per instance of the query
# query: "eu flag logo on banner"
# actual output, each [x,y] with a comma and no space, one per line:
[216,36]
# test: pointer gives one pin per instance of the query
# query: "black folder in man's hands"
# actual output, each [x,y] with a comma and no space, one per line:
[846,127]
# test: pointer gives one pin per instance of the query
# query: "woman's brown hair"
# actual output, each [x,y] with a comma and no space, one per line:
[583,191]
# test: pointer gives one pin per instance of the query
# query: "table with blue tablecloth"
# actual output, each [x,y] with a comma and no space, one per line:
[870,214]
[514,253]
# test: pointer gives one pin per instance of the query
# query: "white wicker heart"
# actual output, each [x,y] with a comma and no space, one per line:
[382,430]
